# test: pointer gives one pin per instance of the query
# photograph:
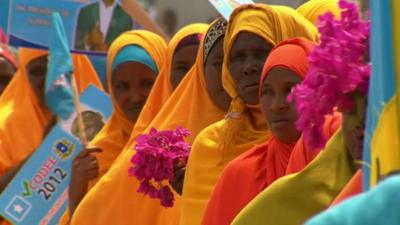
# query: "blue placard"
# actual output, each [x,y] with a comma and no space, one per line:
[225,7]
[38,193]
[88,28]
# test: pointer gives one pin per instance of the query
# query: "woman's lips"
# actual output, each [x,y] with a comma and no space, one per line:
[280,122]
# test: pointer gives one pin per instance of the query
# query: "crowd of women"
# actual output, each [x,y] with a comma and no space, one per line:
[228,83]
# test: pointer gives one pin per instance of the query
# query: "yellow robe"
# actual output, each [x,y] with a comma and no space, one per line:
[244,127]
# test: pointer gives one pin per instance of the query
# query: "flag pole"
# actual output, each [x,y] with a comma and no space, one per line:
[81,125]
[137,13]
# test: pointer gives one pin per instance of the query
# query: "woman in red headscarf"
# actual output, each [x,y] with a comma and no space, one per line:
[253,171]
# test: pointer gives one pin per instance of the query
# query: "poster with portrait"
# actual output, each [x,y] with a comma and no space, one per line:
[91,25]
[38,194]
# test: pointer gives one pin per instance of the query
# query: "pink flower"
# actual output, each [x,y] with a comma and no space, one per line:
[337,68]
[154,160]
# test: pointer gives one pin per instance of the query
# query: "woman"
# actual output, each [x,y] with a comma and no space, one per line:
[23,100]
[189,106]
[252,32]
[254,170]
[8,66]
[30,103]
[134,59]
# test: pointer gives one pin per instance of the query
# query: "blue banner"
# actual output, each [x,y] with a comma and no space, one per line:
[38,194]
[90,25]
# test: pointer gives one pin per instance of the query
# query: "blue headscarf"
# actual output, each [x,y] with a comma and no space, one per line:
[134,53]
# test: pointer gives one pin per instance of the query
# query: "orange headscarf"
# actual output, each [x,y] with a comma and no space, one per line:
[189,106]
[162,88]
[251,172]
[244,126]
[23,119]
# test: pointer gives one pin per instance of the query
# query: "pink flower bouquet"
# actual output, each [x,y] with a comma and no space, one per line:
[153,164]
[338,66]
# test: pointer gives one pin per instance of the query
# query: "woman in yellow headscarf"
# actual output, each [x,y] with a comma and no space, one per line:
[252,32]
[133,62]
[313,9]
[114,199]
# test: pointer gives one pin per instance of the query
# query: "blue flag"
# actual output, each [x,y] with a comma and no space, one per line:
[58,91]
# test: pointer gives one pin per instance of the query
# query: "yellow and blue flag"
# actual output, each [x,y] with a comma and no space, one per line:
[58,91]
[382,135]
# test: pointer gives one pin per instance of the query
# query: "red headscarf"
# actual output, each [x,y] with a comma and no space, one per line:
[291,54]
[250,173]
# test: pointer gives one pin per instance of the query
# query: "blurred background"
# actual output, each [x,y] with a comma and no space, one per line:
[173,14]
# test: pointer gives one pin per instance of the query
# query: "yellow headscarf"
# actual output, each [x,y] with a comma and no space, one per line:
[188,106]
[115,134]
[244,126]
[293,199]
[162,88]
[23,119]
[312,9]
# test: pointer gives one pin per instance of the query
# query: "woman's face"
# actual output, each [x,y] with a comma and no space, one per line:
[131,85]
[182,61]
[280,115]
[37,70]
[247,58]
[213,76]
[353,125]
[7,71]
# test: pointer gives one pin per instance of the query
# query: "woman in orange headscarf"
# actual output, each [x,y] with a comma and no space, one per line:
[252,32]
[117,132]
[254,170]
[143,53]
[189,106]
[23,100]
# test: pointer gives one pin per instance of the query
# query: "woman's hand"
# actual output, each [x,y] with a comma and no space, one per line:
[85,168]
